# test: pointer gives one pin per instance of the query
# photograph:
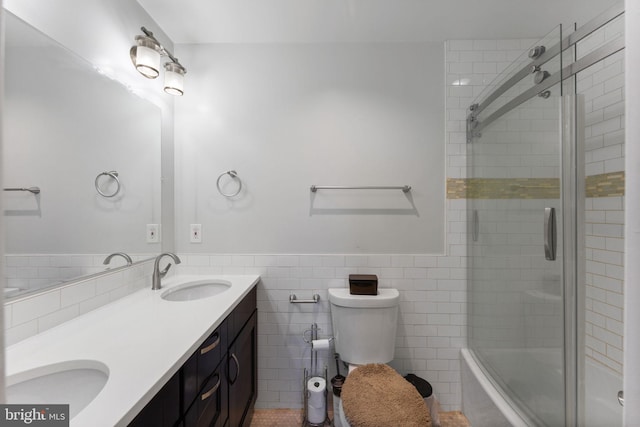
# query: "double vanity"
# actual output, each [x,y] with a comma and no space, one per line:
[183,355]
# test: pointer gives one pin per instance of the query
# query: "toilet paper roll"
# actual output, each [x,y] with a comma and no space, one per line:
[320,344]
[316,403]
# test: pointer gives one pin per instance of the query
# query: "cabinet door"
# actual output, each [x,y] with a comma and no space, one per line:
[242,368]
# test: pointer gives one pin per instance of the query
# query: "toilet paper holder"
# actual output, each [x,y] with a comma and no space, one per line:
[314,299]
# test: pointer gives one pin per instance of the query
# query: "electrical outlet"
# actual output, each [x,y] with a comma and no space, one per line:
[153,233]
[195,235]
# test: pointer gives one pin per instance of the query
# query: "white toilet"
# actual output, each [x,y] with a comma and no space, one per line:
[364,328]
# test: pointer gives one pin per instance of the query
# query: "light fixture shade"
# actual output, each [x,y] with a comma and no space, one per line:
[146,57]
[174,78]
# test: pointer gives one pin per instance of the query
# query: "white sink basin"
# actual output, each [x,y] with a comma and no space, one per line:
[76,383]
[196,290]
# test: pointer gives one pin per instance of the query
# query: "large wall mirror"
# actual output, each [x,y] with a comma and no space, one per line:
[71,133]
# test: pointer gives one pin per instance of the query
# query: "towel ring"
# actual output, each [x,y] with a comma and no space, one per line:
[233,175]
[112,174]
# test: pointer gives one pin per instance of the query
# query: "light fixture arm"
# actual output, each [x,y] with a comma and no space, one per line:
[163,50]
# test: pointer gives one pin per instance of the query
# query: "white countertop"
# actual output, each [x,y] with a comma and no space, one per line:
[142,338]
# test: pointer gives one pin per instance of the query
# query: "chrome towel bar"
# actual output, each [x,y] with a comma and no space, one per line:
[404,188]
[34,190]
[315,299]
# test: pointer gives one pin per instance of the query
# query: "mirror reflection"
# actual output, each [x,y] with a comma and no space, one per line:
[91,148]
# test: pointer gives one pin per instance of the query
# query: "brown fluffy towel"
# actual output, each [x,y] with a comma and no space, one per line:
[375,395]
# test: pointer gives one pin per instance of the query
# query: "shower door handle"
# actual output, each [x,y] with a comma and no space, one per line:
[475,226]
[550,234]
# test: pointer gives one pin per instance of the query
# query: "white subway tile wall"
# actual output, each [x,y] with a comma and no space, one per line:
[472,65]
[602,85]
[32,314]
[605,281]
[28,272]
[432,317]
[603,88]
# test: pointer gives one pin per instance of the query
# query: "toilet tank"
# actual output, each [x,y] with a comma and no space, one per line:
[364,326]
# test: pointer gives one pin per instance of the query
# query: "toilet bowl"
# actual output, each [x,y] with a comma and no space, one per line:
[364,328]
[364,331]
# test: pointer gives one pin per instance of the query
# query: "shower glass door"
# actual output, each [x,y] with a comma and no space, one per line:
[516,312]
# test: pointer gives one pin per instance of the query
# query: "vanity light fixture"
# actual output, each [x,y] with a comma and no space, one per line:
[174,78]
[146,56]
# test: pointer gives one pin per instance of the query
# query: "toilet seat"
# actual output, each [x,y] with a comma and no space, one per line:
[375,395]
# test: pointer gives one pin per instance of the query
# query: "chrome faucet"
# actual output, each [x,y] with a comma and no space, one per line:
[126,257]
[157,274]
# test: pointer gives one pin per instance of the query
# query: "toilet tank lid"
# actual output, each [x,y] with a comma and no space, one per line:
[387,297]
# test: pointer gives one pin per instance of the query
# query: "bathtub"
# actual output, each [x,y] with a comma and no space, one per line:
[602,386]
[484,405]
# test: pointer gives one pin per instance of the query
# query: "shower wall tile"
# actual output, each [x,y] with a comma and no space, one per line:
[470,66]
[605,280]
[602,87]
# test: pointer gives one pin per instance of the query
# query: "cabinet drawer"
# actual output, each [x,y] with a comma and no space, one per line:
[210,353]
[210,409]
[203,362]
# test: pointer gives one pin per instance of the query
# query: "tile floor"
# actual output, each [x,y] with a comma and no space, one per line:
[293,418]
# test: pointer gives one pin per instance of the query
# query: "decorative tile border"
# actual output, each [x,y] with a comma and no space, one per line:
[503,188]
[606,185]
[456,188]
[603,185]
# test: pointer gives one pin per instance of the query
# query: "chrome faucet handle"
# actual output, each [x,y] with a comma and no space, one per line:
[165,270]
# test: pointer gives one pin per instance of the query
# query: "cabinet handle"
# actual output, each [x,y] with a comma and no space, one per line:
[208,348]
[235,359]
[215,388]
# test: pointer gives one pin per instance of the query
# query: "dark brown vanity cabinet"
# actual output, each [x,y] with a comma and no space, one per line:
[217,386]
